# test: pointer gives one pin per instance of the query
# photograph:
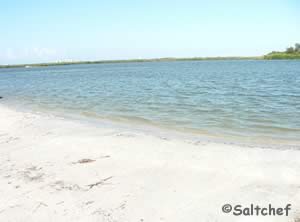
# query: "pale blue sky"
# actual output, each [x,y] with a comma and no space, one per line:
[42,31]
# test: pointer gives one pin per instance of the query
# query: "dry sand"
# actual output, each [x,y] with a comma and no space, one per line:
[56,169]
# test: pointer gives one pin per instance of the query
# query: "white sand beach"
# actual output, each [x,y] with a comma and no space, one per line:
[57,169]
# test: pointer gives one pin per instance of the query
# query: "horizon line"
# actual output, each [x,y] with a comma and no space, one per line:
[161,59]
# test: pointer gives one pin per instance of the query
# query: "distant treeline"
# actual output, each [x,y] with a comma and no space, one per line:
[128,61]
[289,53]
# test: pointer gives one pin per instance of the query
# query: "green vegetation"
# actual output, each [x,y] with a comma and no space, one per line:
[129,61]
[290,53]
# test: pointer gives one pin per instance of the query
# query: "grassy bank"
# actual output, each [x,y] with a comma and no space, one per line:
[282,55]
[129,61]
[292,52]
[270,56]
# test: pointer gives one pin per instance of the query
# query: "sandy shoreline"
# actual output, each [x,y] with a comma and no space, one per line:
[55,169]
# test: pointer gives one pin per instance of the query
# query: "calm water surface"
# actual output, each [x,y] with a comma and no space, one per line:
[249,100]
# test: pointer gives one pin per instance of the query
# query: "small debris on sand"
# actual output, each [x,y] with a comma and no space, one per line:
[106,156]
[101,182]
[84,161]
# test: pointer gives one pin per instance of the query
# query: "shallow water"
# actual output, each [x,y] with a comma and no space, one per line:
[246,100]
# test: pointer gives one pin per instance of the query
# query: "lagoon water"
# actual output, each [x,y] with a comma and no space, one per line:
[245,100]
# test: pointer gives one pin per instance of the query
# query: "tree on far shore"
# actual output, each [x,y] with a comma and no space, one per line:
[289,50]
[290,53]
[297,47]
[292,49]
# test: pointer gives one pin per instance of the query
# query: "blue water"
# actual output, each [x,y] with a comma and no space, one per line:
[248,100]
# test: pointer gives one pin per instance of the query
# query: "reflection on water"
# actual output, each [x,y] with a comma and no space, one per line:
[245,99]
